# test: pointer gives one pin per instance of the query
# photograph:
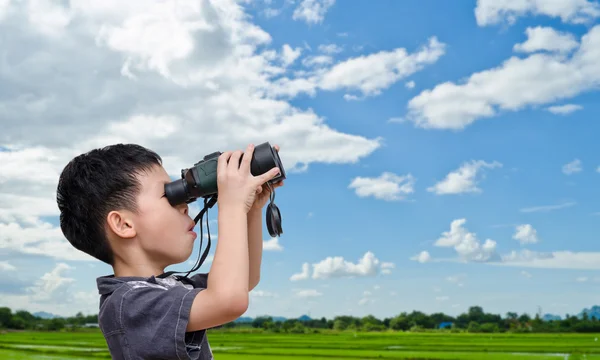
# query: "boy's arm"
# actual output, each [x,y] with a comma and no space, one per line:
[226,295]
[255,246]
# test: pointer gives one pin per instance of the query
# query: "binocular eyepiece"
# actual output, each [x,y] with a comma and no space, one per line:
[200,181]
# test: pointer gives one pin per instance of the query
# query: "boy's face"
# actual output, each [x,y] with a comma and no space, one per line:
[163,231]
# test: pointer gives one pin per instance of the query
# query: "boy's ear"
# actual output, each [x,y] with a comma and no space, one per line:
[121,224]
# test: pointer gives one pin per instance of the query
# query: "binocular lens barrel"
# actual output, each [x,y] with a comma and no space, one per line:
[176,192]
[201,179]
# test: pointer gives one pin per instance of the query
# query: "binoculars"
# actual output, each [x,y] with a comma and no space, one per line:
[200,181]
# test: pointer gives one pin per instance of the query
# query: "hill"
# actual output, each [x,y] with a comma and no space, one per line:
[594,311]
[45,315]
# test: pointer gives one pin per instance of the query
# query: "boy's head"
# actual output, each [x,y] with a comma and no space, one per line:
[112,207]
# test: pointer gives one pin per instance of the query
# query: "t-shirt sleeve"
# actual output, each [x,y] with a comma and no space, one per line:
[154,319]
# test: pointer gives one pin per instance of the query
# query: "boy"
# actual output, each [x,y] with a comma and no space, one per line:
[113,207]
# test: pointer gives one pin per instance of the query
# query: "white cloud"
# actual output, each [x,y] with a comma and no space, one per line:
[552,260]
[317,61]
[306,293]
[386,267]
[464,179]
[526,274]
[516,84]
[466,244]
[422,257]
[397,120]
[4,8]
[48,17]
[490,12]
[366,298]
[52,285]
[179,61]
[349,97]
[410,85]
[262,294]
[471,250]
[312,11]
[442,298]
[564,109]
[271,12]
[387,186]
[290,55]
[54,290]
[546,38]
[457,279]
[368,75]
[572,167]
[272,245]
[338,267]
[526,234]
[289,88]
[5,266]
[39,238]
[546,208]
[305,274]
[373,73]
[364,301]
[330,49]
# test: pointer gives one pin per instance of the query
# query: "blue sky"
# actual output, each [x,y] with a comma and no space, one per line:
[480,135]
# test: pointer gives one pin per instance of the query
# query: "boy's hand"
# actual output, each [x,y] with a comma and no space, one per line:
[237,186]
[263,193]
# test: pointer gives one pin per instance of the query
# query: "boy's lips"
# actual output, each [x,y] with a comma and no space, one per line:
[191,230]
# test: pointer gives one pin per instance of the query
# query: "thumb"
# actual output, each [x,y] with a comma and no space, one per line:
[269,174]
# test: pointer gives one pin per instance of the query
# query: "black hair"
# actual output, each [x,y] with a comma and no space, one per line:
[95,183]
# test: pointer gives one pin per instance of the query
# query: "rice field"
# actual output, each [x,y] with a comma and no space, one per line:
[322,346]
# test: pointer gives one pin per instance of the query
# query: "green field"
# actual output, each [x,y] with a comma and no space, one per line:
[331,346]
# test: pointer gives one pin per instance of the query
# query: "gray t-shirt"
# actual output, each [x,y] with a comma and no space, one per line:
[146,317]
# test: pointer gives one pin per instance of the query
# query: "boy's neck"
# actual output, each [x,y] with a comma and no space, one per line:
[141,270]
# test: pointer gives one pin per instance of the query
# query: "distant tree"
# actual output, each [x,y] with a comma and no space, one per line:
[524,319]
[56,324]
[400,322]
[512,315]
[340,324]
[298,328]
[5,317]
[259,321]
[473,327]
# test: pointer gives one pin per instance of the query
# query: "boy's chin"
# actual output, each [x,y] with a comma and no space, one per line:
[185,255]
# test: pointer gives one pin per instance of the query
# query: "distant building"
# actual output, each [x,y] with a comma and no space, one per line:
[445,325]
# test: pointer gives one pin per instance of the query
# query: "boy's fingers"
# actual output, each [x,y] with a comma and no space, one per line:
[222,162]
[268,175]
[234,160]
[245,165]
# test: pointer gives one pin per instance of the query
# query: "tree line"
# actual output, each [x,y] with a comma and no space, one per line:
[475,320]
[24,320]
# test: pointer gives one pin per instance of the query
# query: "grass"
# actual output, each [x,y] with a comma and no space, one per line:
[330,346]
